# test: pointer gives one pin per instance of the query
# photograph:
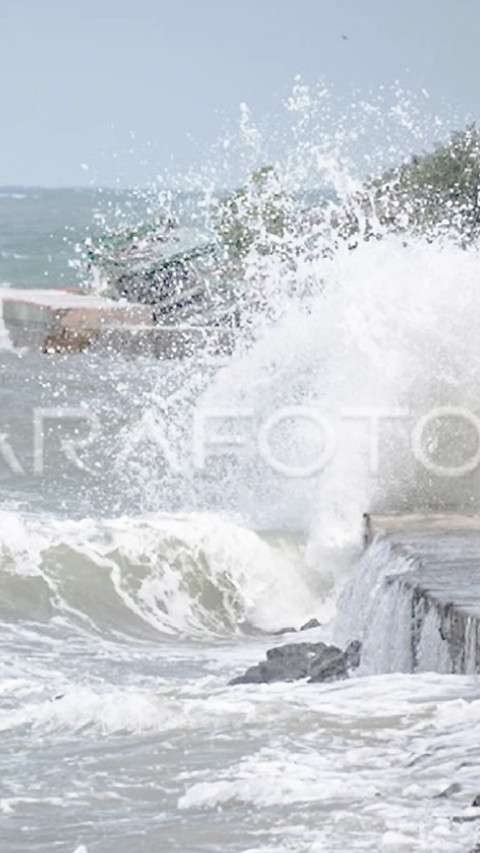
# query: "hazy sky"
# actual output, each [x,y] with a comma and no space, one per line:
[80,77]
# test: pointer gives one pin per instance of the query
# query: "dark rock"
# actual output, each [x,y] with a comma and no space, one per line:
[466,818]
[476,801]
[254,675]
[287,663]
[284,663]
[454,788]
[312,623]
[353,653]
[315,661]
[330,666]
[294,651]
[334,663]
[285,631]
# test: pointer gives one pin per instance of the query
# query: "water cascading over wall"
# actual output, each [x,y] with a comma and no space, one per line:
[415,600]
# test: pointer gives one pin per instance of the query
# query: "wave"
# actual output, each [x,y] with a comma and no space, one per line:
[148,577]
[14,195]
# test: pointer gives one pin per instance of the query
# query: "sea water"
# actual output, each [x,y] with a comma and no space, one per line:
[161,522]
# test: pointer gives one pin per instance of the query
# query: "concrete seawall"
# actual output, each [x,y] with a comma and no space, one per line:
[440,592]
[60,321]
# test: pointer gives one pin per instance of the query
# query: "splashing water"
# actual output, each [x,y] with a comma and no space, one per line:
[352,386]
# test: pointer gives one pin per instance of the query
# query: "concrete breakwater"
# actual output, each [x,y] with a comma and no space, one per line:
[424,604]
[412,605]
[60,321]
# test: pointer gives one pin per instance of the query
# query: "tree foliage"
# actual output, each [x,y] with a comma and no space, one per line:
[253,215]
[435,193]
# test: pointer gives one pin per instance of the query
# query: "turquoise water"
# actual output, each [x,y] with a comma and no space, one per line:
[42,230]
[39,230]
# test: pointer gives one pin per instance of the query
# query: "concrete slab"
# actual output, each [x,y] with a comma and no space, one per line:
[444,553]
[61,321]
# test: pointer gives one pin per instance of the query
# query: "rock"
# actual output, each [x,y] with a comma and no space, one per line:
[284,663]
[315,661]
[466,818]
[334,663]
[353,653]
[285,631]
[476,801]
[312,623]
[330,666]
[292,661]
[254,675]
[454,788]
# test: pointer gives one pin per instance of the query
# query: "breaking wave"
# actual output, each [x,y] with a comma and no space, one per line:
[155,576]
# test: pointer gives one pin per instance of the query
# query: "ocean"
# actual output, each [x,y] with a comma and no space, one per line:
[162,522]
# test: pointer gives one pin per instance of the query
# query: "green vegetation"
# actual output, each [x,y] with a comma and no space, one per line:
[436,193]
[144,263]
[252,216]
[157,262]
[160,263]
[115,252]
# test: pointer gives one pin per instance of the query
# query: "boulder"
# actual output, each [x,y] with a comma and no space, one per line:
[330,666]
[312,623]
[315,661]
[449,791]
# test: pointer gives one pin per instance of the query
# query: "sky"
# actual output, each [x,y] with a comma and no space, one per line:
[116,91]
